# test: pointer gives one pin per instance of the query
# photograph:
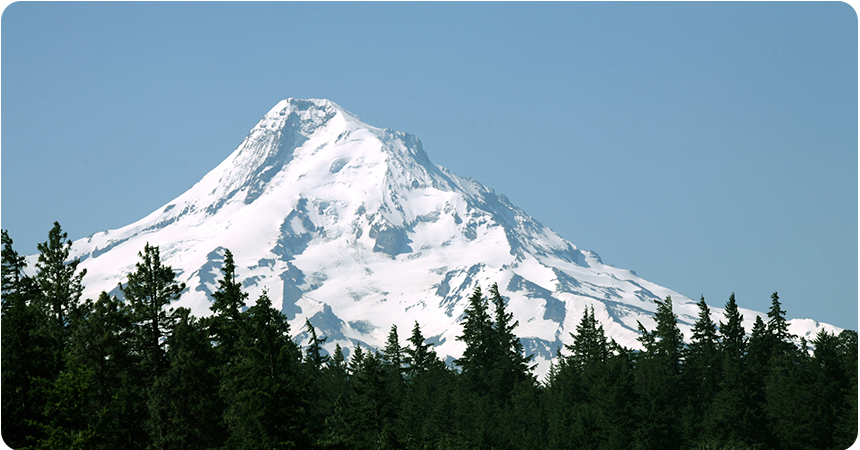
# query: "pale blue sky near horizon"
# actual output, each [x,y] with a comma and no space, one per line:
[710,147]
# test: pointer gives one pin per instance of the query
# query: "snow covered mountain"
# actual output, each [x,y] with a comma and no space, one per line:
[353,227]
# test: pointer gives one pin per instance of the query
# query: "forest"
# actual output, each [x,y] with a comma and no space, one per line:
[136,373]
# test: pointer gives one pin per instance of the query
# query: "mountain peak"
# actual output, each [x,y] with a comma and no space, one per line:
[300,115]
[352,227]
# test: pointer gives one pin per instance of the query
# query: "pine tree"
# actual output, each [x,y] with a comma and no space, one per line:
[729,411]
[331,387]
[113,404]
[356,360]
[150,289]
[392,368]
[366,417]
[59,285]
[427,417]
[229,298]
[831,383]
[55,302]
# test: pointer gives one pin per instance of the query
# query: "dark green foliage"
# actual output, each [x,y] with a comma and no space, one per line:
[185,411]
[314,358]
[477,359]
[114,405]
[25,352]
[658,382]
[264,384]
[420,356]
[137,374]
[149,290]
[701,375]
[510,365]
[227,304]
[60,287]
[732,342]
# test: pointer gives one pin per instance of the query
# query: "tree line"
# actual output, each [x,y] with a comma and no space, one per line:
[138,373]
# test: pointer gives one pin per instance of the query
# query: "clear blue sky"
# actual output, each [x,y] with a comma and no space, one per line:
[710,147]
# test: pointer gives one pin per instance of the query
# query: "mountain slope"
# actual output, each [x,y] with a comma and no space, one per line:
[353,227]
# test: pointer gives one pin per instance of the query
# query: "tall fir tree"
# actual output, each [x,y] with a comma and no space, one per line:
[732,334]
[777,328]
[701,374]
[590,346]
[478,335]
[419,355]
[658,381]
[227,305]
[510,365]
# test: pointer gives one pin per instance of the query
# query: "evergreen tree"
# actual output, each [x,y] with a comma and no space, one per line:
[60,287]
[356,360]
[314,357]
[320,405]
[266,406]
[777,328]
[419,356]
[392,368]
[392,354]
[184,411]
[427,417]
[12,268]
[331,387]
[658,381]
[701,374]
[227,304]
[730,408]
[572,421]
[732,334]
[478,335]
[831,383]
[149,291]
[100,355]
[366,419]
[57,310]
[510,365]
[590,346]
[846,428]
[25,352]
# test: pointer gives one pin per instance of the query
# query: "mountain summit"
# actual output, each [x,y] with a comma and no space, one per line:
[352,227]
